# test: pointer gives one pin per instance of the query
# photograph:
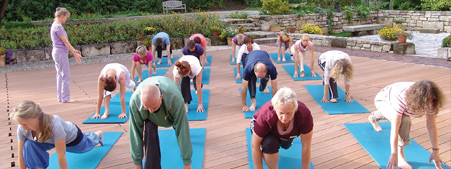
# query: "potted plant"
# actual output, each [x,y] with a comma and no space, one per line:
[214,30]
[291,29]
[403,35]
[3,54]
[229,33]
[242,29]
[275,28]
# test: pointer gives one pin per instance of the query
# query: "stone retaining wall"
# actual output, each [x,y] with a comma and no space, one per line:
[411,20]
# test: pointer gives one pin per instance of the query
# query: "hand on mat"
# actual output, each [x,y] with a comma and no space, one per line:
[393,162]
[95,116]
[313,74]
[325,100]
[122,115]
[238,76]
[436,157]
[348,98]
[186,166]
[200,108]
[233,60]
[245,108]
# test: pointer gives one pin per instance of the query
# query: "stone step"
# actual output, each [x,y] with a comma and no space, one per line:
[429,30]
[235,20]
[243,24]
[262,34]
[265,40]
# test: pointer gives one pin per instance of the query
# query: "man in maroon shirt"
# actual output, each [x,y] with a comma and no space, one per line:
[276,124]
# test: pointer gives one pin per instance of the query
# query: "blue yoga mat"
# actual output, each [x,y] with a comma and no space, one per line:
[232,63]
[170,152]
[241,74]
[205,76]
[164,61]
[377,144]
[341,107]
[192,107]
[307,72]
[288,158]
[145,73]
[287,58]
[89,159]
[115,110]
[209,58]
[261,97]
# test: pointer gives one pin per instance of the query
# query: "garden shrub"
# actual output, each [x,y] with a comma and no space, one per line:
[275,7]
[445,42]
[311,29]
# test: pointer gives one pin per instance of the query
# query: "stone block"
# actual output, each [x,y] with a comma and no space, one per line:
[444,53]
[265,26]
[404,48]
[376,48]
[32,55]
[338,42]
[123,47]
[430,30]
[386,48]
[177,43]
[433,25]
[102,49]
[217,41]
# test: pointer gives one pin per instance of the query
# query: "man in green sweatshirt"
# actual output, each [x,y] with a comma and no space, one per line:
[157,101]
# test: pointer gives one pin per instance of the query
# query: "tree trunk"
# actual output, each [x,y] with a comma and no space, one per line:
[3,9]
[391,4]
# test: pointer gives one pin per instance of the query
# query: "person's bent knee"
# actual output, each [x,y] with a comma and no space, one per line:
[270,144]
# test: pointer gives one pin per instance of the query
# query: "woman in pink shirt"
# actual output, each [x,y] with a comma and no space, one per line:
[300,50]
[142,57]
[400,101]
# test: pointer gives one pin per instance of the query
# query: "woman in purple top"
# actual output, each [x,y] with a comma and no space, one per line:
[60,53]
[276,124]
[142,57]
[236,45]
[300,50]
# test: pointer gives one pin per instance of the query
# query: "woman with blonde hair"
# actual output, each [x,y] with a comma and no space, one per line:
[142,56]
[400,101]
[238,41]
[60,54]
[300,50]
[186,68]
[39,132]
[285,40]
[336,63]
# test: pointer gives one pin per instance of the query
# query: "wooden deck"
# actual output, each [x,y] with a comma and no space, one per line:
[225,145]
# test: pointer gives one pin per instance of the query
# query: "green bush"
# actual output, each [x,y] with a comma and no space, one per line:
[239,15]
[349,14]
[275,7]
[83,34]
[445,42]
[436,5]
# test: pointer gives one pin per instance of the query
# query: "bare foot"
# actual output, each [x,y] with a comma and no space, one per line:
[186,107]
[278,59]
[373,122]
[266,90]
[154,71]
[139,81]
[100,134]
[159,61]
[283,60]
[105,115]
[253,105]
[333,100]
[402,163]
[302,74]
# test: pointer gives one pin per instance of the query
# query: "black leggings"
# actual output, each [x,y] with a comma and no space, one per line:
[185,87]
[151,146]
[332,83]
[160,50]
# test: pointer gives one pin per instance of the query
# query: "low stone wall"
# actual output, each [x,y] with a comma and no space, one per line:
[415,20]
[444,53]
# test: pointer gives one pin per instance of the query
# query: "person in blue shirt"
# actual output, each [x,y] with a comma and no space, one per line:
[159,40]
[257,65]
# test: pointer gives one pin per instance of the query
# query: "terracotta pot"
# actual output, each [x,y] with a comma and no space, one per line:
[2,60]
[143,38]
[229,41]
[241,31]
[215,33]
[402,38]
[292,30]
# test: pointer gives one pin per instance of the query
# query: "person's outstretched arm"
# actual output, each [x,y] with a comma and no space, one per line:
[395,124]
[306,140]
[200,107]
[256,153]
[312,60]
[243,95]
[433,135]
[76,53]
[100,90]
[60,147]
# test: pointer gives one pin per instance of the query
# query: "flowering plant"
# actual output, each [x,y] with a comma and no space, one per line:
[149,30]
[312,29]
[387,33]
[228,32]
[3,51]
[214,29]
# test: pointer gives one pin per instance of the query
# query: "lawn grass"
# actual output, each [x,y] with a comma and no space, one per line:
[342,34]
